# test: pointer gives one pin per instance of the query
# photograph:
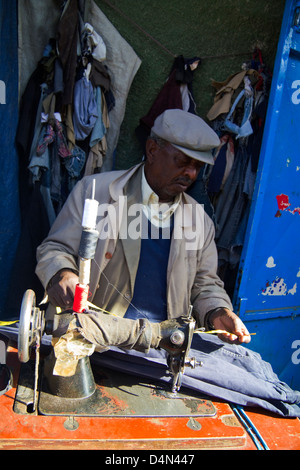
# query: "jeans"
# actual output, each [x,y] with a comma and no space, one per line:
[229,372]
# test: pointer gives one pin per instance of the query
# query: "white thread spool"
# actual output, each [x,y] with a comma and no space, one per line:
[84,271]
[90,213]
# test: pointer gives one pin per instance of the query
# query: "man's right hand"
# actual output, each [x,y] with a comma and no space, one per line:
[61,288]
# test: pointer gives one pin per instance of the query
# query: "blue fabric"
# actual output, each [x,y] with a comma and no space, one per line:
[150,291]
[245,129]
[75,163]
[99,129]
[229,372]
[85,109]
[9,195]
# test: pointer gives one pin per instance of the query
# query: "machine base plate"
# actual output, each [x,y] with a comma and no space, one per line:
[116,394]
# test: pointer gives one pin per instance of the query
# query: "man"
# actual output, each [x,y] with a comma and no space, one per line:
[139,277]
[155,257]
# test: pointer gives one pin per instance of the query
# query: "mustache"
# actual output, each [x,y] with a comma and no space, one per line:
[184,180]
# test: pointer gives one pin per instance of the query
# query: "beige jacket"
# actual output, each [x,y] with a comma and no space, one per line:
[191,277]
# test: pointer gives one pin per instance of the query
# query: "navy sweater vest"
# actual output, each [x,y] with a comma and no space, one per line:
[150,290]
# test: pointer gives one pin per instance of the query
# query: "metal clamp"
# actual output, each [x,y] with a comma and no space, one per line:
[178,363]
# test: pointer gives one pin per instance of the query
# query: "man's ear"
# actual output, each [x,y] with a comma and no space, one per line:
[151,148]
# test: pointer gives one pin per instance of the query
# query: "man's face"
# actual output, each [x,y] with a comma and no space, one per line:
[169,171]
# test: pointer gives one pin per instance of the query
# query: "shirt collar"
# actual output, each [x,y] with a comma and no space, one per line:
[148,195]
[151,199]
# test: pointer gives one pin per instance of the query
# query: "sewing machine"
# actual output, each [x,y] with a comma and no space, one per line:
[93,390]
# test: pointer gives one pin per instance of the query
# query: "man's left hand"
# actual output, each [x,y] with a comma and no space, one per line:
[234,329]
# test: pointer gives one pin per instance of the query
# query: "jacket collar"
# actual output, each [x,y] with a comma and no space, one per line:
[116,188]
[189,208]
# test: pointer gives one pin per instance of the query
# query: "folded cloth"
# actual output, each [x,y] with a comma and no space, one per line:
[229,372]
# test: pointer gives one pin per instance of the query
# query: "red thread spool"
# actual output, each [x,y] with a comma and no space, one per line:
[80,298]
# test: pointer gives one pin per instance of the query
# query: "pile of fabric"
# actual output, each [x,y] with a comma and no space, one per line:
[75,74]
[69,115]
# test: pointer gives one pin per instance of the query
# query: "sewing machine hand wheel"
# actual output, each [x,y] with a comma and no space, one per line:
[30,325]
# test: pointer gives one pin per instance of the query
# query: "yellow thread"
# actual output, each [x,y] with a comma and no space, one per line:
[102,309]
[6,323]
[218,332]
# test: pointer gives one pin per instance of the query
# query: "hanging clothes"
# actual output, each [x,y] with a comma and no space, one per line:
[225,92]
[67,41]
[176,93]
[50,159]
[245,129]
[98,141]
[238,112]
[224,158]
[85,109]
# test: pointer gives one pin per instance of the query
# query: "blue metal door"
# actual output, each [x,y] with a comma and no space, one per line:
[9,197]
[267,295]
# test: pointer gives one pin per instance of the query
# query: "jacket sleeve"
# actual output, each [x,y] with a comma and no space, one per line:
[59,250]
[208,291]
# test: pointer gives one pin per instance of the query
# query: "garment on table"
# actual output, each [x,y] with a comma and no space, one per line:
[229,372]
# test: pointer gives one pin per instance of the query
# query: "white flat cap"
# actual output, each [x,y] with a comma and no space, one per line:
[187,132]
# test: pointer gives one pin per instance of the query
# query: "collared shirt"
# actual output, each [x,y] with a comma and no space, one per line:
[159,214]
